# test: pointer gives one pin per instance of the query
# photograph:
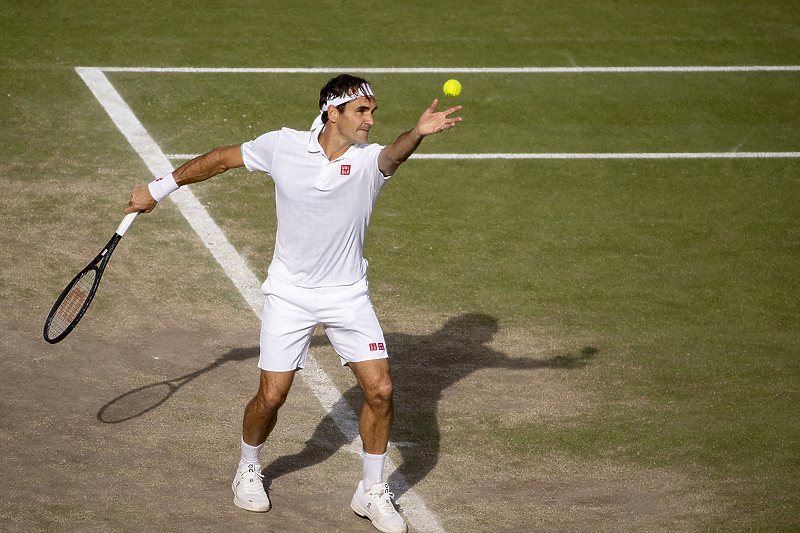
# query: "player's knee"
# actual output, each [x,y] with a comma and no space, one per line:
[270,399]
[379,395]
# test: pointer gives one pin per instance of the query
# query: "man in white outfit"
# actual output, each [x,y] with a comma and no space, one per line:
[326,183]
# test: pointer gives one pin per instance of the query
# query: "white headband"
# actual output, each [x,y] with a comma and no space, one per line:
[363,90]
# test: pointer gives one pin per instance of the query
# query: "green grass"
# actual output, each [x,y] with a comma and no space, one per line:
[683,273]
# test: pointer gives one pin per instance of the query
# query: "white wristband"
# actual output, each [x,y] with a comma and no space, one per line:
[160,188]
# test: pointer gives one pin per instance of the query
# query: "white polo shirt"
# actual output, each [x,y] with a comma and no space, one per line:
[323,207]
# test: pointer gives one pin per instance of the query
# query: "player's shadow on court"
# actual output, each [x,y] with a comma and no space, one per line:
[423,367]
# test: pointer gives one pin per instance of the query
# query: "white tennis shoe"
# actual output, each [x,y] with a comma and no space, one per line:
[376,504]
[248,489]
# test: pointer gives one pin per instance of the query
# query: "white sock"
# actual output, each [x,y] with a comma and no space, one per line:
[373,469]
[250,454]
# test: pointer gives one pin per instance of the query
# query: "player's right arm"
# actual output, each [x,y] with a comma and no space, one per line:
[198,169]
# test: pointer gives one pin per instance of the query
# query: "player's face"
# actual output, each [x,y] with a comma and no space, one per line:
[354,124]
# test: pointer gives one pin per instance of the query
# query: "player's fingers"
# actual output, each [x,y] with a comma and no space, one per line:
[133,209]
[141,201]
[130,209]
[451,122]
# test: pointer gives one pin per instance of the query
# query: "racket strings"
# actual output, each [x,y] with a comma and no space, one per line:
[70,306]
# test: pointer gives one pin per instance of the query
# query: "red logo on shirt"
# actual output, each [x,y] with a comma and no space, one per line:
[375,346]
[345,170]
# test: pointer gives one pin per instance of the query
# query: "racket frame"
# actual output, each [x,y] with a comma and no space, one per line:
[98,264]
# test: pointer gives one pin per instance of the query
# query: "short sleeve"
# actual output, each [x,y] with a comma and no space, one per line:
[258,154]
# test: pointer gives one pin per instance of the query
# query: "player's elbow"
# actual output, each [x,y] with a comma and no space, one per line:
[227,158]
[389,163]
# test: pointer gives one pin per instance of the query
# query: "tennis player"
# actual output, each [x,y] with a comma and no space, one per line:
[326,183]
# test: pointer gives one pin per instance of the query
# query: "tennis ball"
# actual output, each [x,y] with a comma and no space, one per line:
[452,88]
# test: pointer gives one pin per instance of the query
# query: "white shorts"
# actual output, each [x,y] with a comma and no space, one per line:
[291,314]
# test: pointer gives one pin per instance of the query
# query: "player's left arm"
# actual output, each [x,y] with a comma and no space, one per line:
[431,121]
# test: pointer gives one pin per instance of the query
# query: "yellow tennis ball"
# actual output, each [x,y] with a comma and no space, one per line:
[452,88]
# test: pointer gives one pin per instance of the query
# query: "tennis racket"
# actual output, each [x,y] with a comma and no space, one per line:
[73,302]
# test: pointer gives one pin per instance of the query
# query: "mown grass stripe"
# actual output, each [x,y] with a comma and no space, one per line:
[459,70]
[656,155]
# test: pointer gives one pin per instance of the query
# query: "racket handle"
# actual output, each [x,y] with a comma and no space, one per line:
[126,223]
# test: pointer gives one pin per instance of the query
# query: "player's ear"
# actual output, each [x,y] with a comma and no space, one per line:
[333,113]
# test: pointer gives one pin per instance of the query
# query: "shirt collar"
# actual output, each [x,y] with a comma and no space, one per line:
[314,146]
[313,141]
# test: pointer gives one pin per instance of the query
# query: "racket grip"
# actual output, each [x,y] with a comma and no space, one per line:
[126,223]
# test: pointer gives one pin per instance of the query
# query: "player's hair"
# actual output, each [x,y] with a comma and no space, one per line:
[336,87]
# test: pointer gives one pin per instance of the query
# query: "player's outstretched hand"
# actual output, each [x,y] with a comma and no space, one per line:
[141,201]
[432,122]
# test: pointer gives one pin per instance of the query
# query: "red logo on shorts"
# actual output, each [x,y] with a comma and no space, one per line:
[345,170]
[376,346]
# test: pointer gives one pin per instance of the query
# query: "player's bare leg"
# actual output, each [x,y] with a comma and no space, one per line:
[261,414]
[372,498]
[377,413]
[260,417]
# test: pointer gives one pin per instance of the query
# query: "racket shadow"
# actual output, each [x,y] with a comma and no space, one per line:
[141,400]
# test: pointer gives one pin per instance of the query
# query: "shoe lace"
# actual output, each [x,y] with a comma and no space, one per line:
[385,500]
[253,480]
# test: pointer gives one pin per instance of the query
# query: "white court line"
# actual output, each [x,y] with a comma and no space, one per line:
[656,155]
[415,510]
[510,70]
[458,70]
